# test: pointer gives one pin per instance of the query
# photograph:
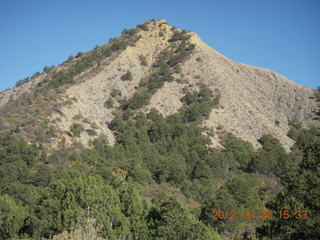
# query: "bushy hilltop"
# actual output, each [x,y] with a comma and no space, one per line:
[82,94]
[154,135]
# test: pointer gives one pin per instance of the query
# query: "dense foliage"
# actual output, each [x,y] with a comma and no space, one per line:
[49,194]
[127,76]
[41,199]
[301,195]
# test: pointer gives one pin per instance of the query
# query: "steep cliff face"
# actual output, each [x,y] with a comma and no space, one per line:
[253,101]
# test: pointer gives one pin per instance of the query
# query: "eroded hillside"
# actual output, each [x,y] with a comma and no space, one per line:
[253,101]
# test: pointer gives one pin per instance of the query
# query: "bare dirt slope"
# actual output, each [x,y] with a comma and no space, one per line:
[252,100]
[91,94]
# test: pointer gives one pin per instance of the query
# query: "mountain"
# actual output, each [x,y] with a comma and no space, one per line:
[254,101]
[155,135]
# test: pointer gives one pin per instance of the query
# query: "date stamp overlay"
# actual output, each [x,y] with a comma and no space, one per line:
[262,214]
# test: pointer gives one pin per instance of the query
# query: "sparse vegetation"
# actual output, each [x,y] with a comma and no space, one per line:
[93,125]
[115,92]
[179,36]
[144,27]
[109,103]
[318,93]
[77,117]
[22,81]
[92,132]
[76,129]
[166,64]
[27,79]
[127,76]
[79,54]
[130,32]
[48,69]
[179,80]
[85,62]
[143,60]
[36,74]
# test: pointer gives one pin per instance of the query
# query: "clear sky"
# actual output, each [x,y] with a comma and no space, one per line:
[282,35]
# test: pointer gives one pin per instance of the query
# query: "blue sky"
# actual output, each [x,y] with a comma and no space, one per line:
[282,35]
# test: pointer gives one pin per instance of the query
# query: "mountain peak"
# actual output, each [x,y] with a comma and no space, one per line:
[89,88]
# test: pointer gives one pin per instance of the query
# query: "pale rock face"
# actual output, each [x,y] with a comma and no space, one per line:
[252,98]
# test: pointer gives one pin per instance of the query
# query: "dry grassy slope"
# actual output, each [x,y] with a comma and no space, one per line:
[14,93]
[91,94]
[252,98]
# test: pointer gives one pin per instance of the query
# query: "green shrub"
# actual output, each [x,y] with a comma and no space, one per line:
[318,94]
[93,125]
[271,158]
[86,61]
[129,32]
[118,44]
[173,28]
[127,76]
[143,60]
[48,69]
[300,199]
[197,105]
[143,27]
[12,217]
[36,74]
[179,36]
[79,54]
[76,129]
[180,80]
[295,124]
[92,132]
[138,100]
[169,214]
[242,151]
[115,92]
[109,103]
[22,81]
[60,78]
